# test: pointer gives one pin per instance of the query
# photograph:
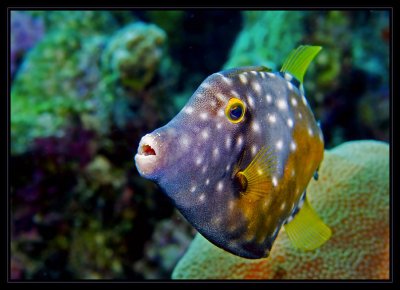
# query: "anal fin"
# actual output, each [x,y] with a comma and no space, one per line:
[306,230]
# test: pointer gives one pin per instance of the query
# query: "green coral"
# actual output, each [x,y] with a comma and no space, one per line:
[58,78]
[85,22]
[70,74]
[61,78]
[93,253]
[134,53]
[266,38]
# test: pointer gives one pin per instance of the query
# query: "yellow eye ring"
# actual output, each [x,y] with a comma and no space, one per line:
[234,110]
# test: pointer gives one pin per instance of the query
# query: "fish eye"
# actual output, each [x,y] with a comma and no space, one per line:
[234,110]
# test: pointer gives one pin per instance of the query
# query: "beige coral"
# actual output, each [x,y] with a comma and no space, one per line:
[351,196]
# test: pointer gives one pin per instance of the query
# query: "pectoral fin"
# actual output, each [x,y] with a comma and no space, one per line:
[255,180]
[306,230]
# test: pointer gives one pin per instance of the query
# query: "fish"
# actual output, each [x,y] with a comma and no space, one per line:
[237,159]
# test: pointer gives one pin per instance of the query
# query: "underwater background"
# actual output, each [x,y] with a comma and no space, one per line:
[85,86]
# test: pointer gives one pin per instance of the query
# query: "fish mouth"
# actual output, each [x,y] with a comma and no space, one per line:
[147,158]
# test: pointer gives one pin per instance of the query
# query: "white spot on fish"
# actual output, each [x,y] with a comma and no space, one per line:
[228,167]
[185,142]
[268,98]
[289,122]
[255,126]
[301,202]
[243,79]
[304,100]
[239,141]
[254,150]
[207,181]
[279,144]
[205,85]
[220,186]
[199,160]
[204,169]
[228,142]
[282,105]
[220,96]
[203,116]
[256,87]
[262,74]
[226,80]
[320,136]
[216,220]
[250,101]
[235,94]
[294,102]
[275,181]
[283,206]
[189,110]
[293,146]
[292,172]
[193,189]
[288,77]
[300,115]
[231,205]
[254,72]
[205,134]
[271,75]
[202,197]
[221,113]
[272,118]
[310,131]
[215,152]
[290,86]
[219,126]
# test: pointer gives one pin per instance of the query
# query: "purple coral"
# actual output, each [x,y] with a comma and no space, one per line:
[26,31]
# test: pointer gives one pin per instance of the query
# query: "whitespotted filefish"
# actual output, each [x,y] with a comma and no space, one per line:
[236,160]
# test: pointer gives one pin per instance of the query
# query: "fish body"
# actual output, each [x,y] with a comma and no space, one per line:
[236,160]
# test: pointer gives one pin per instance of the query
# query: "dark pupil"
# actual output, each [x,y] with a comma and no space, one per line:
[236,112]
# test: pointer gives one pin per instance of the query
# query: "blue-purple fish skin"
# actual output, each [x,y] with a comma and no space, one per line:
[198,154]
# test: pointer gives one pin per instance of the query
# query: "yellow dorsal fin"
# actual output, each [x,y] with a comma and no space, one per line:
[299,59]
[255,178]
[306,230]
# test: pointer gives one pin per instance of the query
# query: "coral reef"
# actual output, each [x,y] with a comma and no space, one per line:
[84,22]
[25,32]
[133,54]
[58,79]
[63,77]
[169,242]
[263,36]
[351,196]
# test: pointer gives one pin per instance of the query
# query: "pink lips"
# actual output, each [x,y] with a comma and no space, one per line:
[148,155]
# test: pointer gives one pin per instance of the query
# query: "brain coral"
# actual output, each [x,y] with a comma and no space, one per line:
[351,196]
